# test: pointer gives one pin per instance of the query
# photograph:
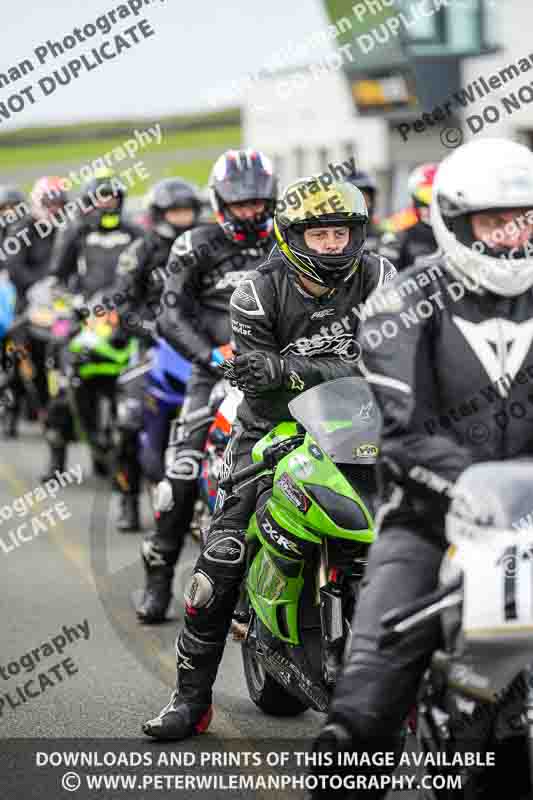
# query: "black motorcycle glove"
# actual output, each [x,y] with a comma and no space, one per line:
[428,491]
[256,372]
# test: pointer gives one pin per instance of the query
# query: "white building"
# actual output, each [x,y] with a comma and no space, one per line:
[517,48]
[307,118]
[306,127]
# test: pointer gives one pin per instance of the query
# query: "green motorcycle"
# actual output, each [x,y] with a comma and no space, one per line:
[307,544]
[91,353]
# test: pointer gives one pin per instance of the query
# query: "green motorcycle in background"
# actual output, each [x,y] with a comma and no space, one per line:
[307,544]
[91,353]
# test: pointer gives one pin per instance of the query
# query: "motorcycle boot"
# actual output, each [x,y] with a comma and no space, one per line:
[128,519]
[58,455]
[159,556]
[10,423]
[189,711]
[99,461]
[210,599]
[333,750]
[159,574]
[59,431]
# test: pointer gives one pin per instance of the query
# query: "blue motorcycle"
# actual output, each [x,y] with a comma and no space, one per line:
[152,395]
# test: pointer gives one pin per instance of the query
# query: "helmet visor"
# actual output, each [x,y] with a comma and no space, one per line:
[241,176]
[323,247]
[503,232]
[169,195]
[240,187]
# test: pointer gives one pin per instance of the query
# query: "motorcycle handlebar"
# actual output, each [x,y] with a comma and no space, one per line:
[239,477]
[271,456]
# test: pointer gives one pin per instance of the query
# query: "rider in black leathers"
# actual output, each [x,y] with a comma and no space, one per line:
[173,207]
[86,262]
[31,263]
[417,240]
[205,265]
[454,386]
[15,219]
[87,259]
[34,234]
[294,321]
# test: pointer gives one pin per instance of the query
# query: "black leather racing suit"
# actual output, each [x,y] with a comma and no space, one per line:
[32,261]
[87,258]
[316,338]
[203,270]
[86,261]
[26,267]
[403,247]
[455,387]
[140,278]
[137,293]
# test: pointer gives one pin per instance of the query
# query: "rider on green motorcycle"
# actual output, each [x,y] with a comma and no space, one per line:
[295,326]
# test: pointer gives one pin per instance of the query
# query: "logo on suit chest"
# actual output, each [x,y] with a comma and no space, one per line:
[500,346]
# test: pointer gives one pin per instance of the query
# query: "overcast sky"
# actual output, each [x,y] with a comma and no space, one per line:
[199,48]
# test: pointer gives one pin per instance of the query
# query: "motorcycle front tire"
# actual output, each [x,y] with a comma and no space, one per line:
[265,692]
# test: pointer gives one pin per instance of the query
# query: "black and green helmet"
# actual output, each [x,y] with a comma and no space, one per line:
[314,203]
[103,185]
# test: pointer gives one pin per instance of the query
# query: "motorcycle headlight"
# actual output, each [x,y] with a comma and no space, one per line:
[341,510]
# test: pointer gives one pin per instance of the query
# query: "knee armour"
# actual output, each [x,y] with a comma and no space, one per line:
[212,591]
[163,497]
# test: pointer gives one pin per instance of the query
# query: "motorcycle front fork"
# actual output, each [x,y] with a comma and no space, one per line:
[330,600]
[243,612]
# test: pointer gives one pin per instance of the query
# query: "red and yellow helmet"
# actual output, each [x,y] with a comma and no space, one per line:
[420,184]
[47,194]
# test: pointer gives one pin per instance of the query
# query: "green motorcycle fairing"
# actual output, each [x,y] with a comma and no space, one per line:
[311,499]
[103,358]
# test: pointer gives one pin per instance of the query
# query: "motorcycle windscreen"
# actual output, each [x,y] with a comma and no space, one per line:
[343,418]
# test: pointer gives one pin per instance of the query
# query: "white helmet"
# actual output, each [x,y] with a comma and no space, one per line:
[482,175]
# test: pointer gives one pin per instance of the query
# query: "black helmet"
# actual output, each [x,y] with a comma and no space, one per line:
[172,193]
[239,176]
[366,183]
[105,184]
[307,203]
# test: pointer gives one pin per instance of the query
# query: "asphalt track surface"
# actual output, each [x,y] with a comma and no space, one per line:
[78,570]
